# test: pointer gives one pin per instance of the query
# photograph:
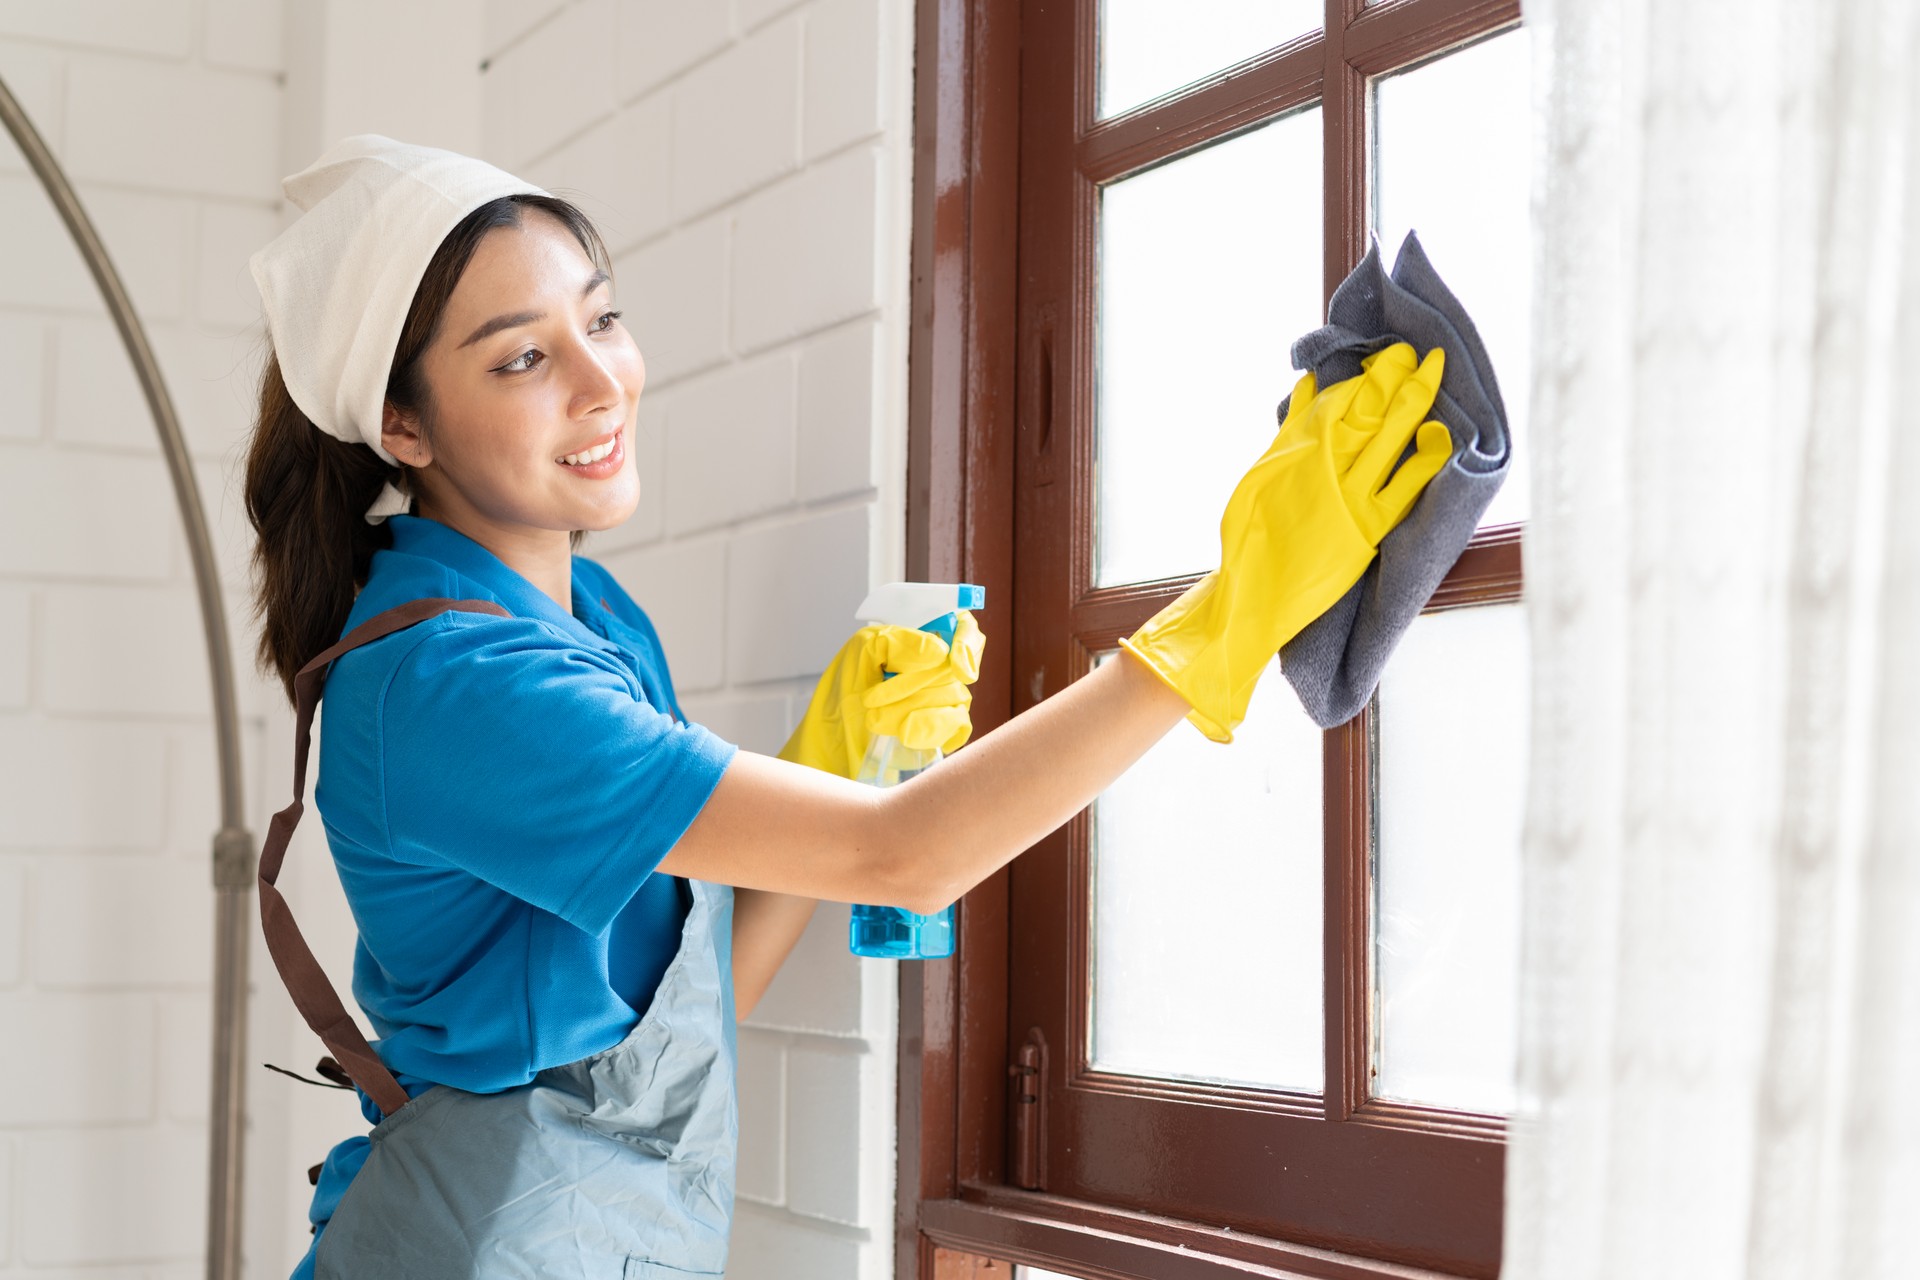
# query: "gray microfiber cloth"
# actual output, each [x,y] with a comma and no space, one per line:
[1335,664]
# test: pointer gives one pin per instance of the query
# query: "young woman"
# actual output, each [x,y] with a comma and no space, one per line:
[565,894]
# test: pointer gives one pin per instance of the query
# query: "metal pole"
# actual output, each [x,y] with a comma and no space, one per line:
[234,852]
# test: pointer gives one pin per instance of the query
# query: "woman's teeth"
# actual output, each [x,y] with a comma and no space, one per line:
[594,454]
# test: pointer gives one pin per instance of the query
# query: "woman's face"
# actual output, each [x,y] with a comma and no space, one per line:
[530,366]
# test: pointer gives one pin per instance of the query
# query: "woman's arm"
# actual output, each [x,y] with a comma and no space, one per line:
[1301,527]
[793,830]
[766,926]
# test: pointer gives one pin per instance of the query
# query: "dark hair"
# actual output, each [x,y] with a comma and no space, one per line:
[307,492]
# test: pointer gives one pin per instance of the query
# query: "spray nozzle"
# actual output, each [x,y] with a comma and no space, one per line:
[924,606]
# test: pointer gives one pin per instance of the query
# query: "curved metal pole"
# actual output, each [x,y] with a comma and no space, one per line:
[233,847]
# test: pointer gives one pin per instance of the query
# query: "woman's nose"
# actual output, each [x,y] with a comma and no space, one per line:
[597,382]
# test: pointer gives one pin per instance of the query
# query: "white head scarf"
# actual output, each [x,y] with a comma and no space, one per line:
[338,283]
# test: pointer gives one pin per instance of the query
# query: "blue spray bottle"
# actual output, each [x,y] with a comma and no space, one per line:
[892,932]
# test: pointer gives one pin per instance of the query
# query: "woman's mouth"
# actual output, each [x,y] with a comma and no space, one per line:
[598,460]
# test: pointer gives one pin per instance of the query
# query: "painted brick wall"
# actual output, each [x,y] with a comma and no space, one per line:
[748,162]
[166,114]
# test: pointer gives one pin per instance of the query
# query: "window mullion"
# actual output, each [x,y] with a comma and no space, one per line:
[1346,781]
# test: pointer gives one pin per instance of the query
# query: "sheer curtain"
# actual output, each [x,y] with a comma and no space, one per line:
[1720,1044]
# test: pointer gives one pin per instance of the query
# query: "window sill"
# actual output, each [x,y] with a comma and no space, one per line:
[1105,1243]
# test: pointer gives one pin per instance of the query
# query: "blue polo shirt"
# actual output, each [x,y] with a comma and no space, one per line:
[497,793]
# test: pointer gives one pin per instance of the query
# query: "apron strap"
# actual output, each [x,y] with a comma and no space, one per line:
[305,980]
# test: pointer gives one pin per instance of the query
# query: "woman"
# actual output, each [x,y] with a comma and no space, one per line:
[565,894]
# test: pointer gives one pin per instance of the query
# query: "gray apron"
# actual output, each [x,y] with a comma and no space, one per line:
[620,1165]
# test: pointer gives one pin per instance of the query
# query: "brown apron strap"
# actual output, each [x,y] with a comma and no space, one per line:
[306,981]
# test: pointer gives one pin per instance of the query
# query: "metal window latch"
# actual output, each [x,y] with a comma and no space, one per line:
[1029,1098]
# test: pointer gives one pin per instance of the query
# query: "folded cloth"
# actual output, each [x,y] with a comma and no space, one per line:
[1336,662]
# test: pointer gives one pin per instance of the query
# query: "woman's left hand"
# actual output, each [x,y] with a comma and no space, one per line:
[926,702]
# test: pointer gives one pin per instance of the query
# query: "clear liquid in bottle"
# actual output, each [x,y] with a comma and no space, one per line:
[893,932]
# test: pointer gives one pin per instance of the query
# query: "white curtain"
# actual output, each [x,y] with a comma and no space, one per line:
[1720,1040]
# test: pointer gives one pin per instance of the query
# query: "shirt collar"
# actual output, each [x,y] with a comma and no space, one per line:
[431,540]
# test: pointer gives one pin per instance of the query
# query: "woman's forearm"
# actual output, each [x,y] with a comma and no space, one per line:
[1002,794]
[766,926]
[778,826]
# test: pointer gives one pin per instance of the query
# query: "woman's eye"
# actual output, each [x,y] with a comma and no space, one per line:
[530,359]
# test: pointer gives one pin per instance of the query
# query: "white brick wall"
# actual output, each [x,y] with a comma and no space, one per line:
[751,173]
[163,28]
[166,113]
[787,284]
[16,649]
[106,141]
[559,76]
[674,293]
[730,444]
[734,123]
[748,161]
[839,394]
[658,39]
[119,1195]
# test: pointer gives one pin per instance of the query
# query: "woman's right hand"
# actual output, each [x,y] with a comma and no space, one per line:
[1300,529]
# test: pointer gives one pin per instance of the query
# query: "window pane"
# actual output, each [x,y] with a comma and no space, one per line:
[1452,778]
[1207,905]
[1035,1273]
[1146,51]
[1470,204]
[1209,269]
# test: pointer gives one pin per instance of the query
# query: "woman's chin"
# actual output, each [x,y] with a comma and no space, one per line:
[609,515]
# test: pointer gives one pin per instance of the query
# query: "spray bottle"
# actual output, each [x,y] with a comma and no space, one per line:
[893,932]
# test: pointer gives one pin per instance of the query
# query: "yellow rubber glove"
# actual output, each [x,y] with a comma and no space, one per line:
[1300,529]
[926,703]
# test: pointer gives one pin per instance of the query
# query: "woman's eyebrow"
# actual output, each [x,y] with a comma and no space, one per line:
[519,318]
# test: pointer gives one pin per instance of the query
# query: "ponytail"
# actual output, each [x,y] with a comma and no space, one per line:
[307,494]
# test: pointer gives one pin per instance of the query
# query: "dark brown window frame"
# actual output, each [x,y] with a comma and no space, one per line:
[973,456]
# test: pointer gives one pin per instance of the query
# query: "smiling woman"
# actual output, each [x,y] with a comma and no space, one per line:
[564,892]
[510,924]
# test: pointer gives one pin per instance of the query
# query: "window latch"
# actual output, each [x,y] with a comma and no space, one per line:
[1040,396]
[1029,1098]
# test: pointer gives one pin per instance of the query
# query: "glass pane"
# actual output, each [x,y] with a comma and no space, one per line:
[1452,780]
[1146,51]
[1035,1273]
[1207,904]
[1470,206]
[1210,267]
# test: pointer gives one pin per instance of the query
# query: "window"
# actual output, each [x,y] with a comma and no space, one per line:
[1127,1064]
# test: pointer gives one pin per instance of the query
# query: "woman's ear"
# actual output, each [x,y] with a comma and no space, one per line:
[400,433]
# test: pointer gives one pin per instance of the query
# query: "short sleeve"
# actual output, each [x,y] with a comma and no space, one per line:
[535,764]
